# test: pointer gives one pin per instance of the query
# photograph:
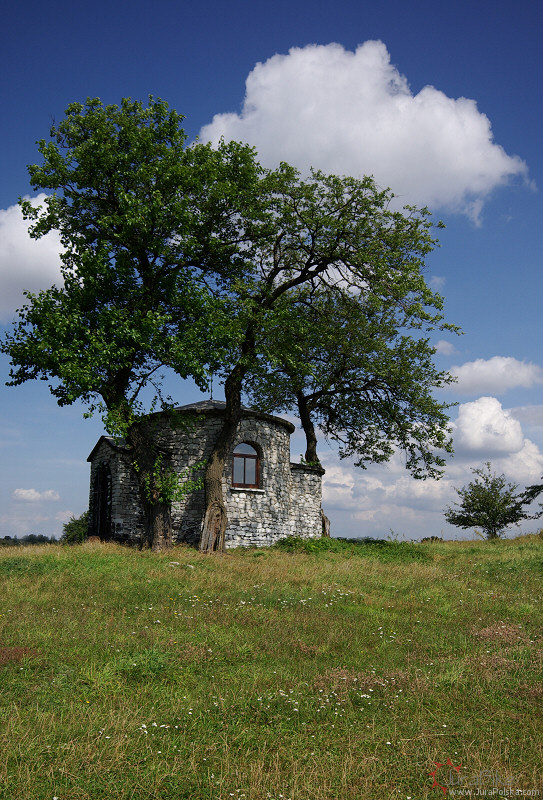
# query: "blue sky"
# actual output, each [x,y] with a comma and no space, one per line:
[440,101]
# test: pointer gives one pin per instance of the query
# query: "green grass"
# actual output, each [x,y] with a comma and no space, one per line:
[331,670]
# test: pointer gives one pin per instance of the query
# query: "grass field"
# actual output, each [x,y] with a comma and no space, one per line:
[332,674]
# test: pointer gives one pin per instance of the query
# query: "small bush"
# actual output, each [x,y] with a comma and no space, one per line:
[75,530]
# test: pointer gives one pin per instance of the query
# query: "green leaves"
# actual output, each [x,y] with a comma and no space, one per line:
[357,362]
[154,237]
[148,226]
[165,485]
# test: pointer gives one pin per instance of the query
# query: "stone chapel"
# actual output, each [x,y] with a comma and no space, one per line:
[267,497]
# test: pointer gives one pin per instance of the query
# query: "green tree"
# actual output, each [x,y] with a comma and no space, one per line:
[491,503]
[335,271]
[150,227]
[36,538]
[356,366]
[76,529]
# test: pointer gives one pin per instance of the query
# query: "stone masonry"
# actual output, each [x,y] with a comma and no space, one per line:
[286,502]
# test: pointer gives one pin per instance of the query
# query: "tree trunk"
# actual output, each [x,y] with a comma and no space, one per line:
[311,457]
[215,518]
[157,533]
[325,524]
[158,526]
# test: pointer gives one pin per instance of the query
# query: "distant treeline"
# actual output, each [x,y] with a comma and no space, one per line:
[31,538]
[73,531]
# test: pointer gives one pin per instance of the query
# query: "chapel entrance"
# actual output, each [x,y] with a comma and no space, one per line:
[101,516]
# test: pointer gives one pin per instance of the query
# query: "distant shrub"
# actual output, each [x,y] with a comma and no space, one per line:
[76,529]
[36,538]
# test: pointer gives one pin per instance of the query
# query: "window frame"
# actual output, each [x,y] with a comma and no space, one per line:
[244,458]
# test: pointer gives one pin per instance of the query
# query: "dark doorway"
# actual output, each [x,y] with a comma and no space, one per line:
[101,506]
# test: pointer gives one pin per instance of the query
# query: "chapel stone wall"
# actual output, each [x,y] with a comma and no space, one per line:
[286,502]
[305,517]
[126,512]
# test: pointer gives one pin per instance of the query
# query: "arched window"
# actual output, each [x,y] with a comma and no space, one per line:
[245,466]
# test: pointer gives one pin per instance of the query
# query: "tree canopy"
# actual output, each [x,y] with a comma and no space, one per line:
[344,362]
[336,273]
[144,222]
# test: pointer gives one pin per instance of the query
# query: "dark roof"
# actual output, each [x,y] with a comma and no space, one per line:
[202,407]
[206,405]
[218,406]
[118,445]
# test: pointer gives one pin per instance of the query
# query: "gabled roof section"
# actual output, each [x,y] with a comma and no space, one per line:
[217,407]
[212,407]
[118,447]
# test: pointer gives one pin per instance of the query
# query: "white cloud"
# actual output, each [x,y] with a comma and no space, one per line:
[484,427]
[21,524]
[385,498]
[418,494]
[495,375]
[437,283]
[523,467]
[64,516]
[33,496]
[363,492]
[354,113]
[388,515]
[338,487]
[25,263]
[445,348]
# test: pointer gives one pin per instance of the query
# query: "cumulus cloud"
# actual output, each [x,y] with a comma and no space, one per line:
[363,491]
[445,348]
[338,487]
[495,375]
[25,263]
[354,113]
[33,496]
[484,427]
[385,498]
[523,467]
